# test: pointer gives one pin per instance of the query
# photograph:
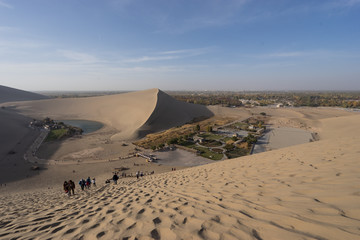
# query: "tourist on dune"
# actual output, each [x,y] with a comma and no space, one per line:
[82,184]
[71,187]
[115,178]
[88,182]
[93,182]
[66,188]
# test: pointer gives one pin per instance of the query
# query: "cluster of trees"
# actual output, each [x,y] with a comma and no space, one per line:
[210,99]
[312,99]
[209,128]
[346,100]
[250,139]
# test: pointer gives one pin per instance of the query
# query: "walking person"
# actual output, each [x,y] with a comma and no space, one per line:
[115,178]
[88,182]
[66,188]
[72,187]
[93,182]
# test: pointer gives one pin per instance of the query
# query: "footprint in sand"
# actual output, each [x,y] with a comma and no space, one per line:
[71,230]
[156,220]
[100,234]
[155,234]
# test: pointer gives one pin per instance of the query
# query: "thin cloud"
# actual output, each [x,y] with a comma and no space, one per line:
[8,29]
[147,58]
[329,54]
[213,14]
[22,44]
[78,56]
[188,52]
[4,4]
[170,55]
[286,54]
[177,51]
[347,3]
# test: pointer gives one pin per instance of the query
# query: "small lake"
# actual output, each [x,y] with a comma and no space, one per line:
[86,125]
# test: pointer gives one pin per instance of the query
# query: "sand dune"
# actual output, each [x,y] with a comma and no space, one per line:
[309,191]
[132,114]
[8,94]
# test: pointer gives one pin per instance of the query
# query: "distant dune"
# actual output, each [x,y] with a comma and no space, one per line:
[8,94]
[132,114]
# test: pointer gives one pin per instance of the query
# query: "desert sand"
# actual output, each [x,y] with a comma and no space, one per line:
[307,191]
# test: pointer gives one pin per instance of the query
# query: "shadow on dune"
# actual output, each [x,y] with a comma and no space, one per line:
[8,94]
[170,112]
[15,138]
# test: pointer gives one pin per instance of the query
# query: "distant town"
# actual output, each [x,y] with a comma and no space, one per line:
[279,99]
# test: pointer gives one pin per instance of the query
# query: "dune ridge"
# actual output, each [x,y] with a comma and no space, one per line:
[170,112]
[307,191]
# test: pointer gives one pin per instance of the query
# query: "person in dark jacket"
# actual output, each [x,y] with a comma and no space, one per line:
[71,186]
[115,178]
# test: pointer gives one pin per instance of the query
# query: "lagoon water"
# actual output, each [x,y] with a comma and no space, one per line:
[86,125]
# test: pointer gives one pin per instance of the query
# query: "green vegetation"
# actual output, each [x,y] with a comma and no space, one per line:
[297,99]
[208,144]
[211,136]
[237,152]
[188,144]
[205,152]
[173,141]
[250,139]
[211,143]
[239,125]
[57,134]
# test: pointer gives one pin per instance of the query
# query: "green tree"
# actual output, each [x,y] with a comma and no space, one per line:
[172,141]
[197,128]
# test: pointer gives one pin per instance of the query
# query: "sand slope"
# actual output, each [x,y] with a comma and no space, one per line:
[8,94]
[15,138]
[308,191]
[169,113]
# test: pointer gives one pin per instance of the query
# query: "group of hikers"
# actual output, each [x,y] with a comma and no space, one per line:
[69,186]
[138,174]
[87,183]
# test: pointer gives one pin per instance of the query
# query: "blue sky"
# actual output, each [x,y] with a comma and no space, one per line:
[180,45]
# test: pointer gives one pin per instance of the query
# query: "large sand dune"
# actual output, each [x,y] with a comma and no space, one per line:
[132,114]
[309,191]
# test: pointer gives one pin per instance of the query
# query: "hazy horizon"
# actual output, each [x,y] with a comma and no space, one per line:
[236,45]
